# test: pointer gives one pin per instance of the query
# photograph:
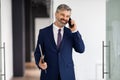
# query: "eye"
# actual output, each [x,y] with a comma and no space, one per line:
[67,16]
[62,15]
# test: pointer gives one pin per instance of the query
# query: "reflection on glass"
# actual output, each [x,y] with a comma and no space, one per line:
[113,33]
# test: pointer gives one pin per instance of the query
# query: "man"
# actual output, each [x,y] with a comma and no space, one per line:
[56,42]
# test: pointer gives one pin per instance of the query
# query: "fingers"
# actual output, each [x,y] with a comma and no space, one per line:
[74,27]
[42,64]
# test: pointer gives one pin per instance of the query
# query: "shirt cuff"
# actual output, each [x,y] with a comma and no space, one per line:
[74,31]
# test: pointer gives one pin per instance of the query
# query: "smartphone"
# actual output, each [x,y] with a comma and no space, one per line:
[69,22]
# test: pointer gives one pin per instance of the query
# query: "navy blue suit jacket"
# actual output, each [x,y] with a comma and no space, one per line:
[58,60]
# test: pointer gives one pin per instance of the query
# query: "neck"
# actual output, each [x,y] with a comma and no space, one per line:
[58,25]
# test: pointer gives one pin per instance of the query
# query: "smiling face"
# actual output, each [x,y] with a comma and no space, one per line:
[62,15]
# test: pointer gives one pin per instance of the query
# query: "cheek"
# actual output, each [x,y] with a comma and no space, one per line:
[58,17]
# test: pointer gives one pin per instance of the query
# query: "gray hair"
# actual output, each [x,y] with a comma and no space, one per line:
[63,7]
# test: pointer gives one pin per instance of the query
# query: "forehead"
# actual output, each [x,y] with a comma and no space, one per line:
[66,12]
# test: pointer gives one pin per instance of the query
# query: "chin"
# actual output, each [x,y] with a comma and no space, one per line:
[63,24]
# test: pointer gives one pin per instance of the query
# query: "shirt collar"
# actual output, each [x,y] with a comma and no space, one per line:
[56,28]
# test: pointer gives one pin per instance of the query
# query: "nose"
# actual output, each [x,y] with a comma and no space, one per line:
[65,18]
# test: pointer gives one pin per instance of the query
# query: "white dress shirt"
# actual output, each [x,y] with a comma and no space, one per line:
[55,32]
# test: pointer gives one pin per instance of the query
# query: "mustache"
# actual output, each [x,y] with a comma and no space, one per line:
[64,20]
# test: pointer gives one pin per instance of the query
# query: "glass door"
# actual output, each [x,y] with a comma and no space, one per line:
[0,46]
[2,75]
[113,40]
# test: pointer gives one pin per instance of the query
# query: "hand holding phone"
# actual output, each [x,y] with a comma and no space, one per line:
[69,22]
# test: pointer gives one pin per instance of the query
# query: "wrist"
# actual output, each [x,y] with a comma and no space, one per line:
[74,31]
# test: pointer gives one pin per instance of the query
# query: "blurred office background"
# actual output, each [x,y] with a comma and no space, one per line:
[98,21]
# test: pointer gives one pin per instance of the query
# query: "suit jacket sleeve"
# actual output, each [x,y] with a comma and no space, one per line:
[78,43]
[37,53]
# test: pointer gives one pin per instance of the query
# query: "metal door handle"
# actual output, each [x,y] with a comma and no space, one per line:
[103,60]
[4,61]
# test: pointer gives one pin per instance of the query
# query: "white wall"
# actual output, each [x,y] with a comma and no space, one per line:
[39,24]
[90,19]
[6,35]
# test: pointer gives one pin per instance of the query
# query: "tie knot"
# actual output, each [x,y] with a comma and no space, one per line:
[59,30]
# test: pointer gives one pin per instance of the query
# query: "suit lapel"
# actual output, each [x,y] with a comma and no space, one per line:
[52,37]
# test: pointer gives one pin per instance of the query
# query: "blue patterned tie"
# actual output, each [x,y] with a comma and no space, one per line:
[59,38]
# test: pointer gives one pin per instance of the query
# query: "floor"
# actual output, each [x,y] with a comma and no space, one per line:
[31,72]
